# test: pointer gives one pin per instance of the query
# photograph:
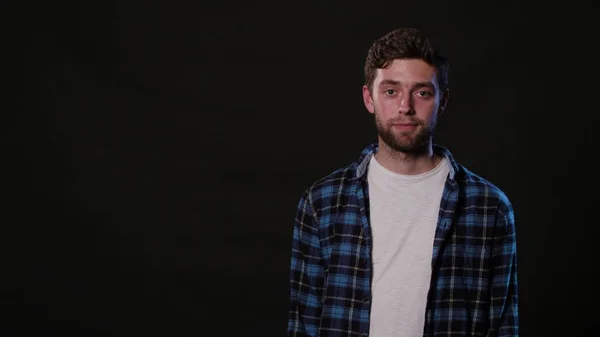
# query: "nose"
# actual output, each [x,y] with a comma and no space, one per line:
[405,104]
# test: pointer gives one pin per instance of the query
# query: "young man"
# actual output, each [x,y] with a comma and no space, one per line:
[404,241]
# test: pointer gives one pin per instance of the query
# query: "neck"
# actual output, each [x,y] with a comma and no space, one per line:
[407,163]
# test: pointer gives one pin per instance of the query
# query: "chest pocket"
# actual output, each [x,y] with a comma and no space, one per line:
[348,244]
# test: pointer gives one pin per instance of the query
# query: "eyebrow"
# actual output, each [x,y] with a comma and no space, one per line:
[416,85]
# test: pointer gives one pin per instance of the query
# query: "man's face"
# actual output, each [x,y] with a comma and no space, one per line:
[405,100]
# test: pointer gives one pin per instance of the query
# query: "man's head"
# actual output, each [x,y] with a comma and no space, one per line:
[406,88]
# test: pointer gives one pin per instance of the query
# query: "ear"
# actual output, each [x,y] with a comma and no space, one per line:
[368,99]
[444,101]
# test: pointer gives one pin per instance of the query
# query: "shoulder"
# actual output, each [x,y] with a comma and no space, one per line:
[473,187]
[483,191]
[339,186]
[331,186]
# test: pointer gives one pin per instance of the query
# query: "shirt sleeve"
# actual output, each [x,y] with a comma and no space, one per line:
[306,273]
[504,312]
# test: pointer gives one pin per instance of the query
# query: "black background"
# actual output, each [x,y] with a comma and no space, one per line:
[160,150]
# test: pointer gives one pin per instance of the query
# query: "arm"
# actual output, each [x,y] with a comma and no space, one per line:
[504,312]
[306,273]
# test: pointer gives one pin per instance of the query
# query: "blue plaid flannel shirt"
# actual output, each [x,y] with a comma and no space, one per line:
[473,290]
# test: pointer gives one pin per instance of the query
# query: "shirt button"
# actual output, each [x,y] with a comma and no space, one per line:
[366,299]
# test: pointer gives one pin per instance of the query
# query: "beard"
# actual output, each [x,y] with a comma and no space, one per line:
[414,142]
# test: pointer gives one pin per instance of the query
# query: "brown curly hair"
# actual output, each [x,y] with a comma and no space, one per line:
[404,43]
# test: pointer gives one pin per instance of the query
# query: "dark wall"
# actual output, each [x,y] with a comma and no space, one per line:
[162,149]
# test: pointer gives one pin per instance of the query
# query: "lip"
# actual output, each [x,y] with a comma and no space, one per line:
[405,125]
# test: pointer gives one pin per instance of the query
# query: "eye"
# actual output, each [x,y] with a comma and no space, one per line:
[390,92]
[423,93]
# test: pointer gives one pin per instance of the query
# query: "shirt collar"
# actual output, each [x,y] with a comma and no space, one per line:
[362,163]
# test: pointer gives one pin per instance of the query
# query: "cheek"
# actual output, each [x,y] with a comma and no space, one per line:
[387,106]
[426,108]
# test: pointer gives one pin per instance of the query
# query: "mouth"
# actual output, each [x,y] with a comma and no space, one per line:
[404,126]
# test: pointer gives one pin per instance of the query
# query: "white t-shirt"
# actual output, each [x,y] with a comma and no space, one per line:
[403,217]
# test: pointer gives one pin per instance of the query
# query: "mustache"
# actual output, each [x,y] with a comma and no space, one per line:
[405,120]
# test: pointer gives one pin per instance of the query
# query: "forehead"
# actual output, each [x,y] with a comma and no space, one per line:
[407,71]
